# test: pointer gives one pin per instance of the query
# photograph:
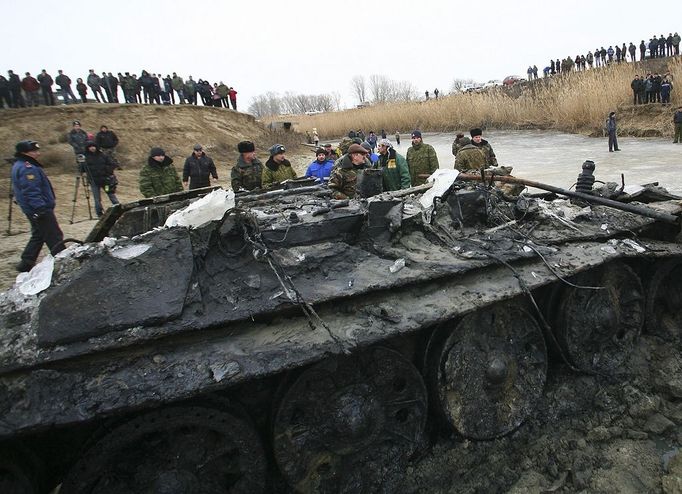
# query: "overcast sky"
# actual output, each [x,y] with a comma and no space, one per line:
[317,47]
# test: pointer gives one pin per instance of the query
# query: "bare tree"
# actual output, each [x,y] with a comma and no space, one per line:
[458,84]
[259,106]
[381,88]
[336,100]
[359,88]
[404,91]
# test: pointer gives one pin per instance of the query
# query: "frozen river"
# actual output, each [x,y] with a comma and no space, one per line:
[556,158]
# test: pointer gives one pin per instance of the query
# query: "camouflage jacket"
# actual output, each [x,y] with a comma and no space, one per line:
[276,172]
[421,160]
[343,179]
[246,175]
[490,158]
[158,179]
[470,157]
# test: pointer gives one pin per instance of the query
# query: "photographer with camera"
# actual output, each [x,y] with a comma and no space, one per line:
[77,138]
[34,194]
[99,169]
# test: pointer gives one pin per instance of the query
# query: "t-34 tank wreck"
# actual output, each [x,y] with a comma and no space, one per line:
[292,342]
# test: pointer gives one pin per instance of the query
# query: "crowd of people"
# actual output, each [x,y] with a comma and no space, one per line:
[656,47]
[148,88]
[652,88]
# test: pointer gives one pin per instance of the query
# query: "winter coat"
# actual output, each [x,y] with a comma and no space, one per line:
[421,160]
[611,124]
[276,172]
[344,178]
[677,118]
[94,81]
[177,83]
[245,175]
[666,87]
[470,157]
[33,191]
[77,140]
[98,167]
[157,179]
[30,84]
[490,158]
[82,88]
[45,80]
[106,140]
[396,173]
[223,91]
[199,171]
[63,81]
[320,170]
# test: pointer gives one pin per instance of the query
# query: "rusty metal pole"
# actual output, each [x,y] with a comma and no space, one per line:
[631,208]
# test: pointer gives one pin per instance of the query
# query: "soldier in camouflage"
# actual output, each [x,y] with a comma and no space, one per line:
[421,159]
[457,143]
[247,173]
[469,157]
[478,141]
[277,167]
[344,177]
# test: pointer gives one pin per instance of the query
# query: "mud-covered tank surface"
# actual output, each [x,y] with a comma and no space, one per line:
[274,318]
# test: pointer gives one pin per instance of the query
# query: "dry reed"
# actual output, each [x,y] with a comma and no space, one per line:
[573,102]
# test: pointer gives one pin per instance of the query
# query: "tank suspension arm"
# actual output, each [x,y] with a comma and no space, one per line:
[631,208]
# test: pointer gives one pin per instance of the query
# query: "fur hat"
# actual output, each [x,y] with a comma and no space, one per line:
[476,132]
[157,152]
[246,147]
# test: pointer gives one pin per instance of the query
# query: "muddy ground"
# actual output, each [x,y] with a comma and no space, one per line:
[589,434]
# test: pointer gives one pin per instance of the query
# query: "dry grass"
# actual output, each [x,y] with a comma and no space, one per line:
[576,102]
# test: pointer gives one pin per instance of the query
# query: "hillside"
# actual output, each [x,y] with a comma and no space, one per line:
[139,127]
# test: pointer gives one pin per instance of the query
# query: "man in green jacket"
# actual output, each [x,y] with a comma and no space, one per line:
[421,159]
[247,173]
[478,141]
[159,177]
[469,157]
[178,86]
[396,174]
[277,168]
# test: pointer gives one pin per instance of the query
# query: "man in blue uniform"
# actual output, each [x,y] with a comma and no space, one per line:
[34,194]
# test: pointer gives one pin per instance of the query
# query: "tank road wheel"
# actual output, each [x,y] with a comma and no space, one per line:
[664,300]
[596,329]
[489,373]
[178,450]
[349,424]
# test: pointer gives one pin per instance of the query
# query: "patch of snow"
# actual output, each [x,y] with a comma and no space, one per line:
[211,207]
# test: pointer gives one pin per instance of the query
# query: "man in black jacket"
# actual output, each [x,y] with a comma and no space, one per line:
[15,90]
[199,168]
[64,83]
[636,86]
[99,169]
[46,83]
[107,141]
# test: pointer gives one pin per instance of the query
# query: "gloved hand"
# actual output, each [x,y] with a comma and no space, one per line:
[39,214]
